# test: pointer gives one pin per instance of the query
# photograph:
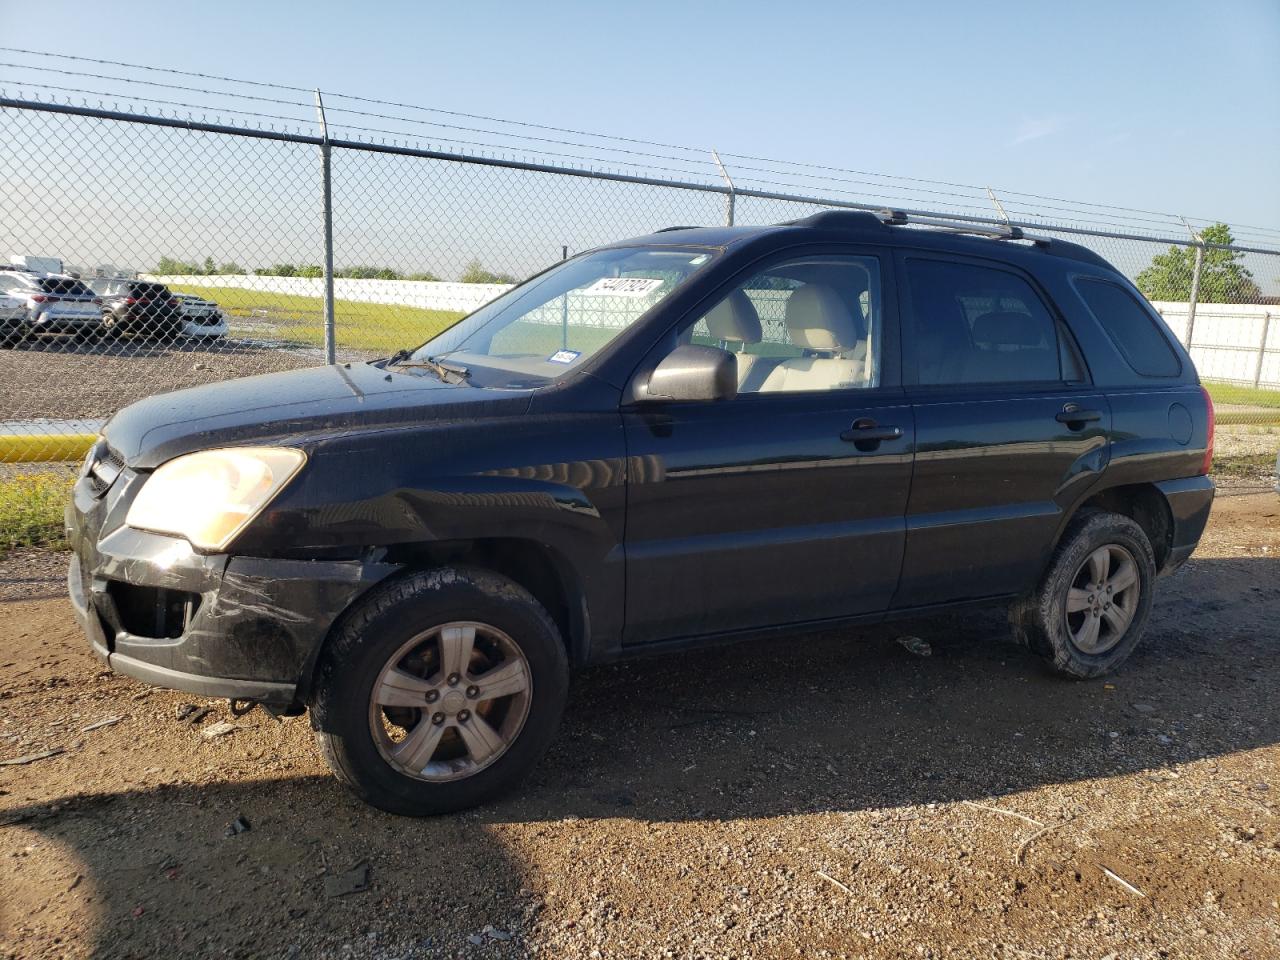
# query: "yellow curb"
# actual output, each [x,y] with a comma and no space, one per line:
[44,447]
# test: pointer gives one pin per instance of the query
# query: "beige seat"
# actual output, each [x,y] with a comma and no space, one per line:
[735,322]
[819,321]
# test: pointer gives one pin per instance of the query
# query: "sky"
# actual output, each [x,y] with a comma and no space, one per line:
[1168,106]
[1165,105]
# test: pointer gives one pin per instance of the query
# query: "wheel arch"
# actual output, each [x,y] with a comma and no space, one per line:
[1143,503]
[537,567]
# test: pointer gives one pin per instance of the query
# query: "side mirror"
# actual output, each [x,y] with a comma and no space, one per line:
[694,372]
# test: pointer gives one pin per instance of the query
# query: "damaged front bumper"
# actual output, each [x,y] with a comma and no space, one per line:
[244,628]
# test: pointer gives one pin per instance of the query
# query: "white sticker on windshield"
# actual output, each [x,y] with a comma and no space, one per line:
[623,287]
[564,356]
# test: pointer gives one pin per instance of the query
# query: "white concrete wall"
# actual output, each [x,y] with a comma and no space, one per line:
[425,294]
[1227,339]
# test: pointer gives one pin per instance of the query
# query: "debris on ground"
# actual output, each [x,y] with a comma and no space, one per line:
[32,757]
[219,729]
[108,722]
[238,825]
[355,880]
[917,646]
[493,933]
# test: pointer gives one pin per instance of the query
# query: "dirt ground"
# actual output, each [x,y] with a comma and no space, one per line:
[830,795]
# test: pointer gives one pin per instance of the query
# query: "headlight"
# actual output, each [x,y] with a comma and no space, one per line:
[210,496]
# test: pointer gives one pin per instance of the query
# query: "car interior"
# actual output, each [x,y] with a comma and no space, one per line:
[825,340]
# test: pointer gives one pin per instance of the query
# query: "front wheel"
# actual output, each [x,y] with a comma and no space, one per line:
[1089,610]
[440,691]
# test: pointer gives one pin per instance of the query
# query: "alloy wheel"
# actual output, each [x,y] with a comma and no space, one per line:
[450,701]
[1102,599]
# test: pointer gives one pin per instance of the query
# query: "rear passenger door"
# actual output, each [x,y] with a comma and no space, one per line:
[1009,430]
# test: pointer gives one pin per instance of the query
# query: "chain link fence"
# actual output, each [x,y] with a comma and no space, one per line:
[201,255]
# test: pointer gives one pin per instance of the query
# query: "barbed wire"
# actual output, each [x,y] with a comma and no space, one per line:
[793,175]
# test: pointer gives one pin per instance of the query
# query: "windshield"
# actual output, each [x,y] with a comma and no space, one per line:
[551,324]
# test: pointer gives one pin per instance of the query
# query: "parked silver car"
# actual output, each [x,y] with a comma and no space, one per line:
[201,318]
[50,303]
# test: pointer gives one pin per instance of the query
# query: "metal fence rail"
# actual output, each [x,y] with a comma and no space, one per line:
[320,247]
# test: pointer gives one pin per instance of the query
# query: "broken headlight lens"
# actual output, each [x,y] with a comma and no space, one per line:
[210,496]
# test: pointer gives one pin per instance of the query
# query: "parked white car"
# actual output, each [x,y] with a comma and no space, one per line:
[201,319]
[13,316]
[51,303]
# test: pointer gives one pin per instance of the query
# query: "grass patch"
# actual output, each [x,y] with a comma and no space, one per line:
[1265,403]
[1244,396]
[31,510]
[378,327]
[1248,465]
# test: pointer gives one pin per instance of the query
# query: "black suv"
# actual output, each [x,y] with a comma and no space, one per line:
[696,434]
[138,308]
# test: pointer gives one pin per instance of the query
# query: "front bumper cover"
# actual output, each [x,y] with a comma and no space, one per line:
[254,632]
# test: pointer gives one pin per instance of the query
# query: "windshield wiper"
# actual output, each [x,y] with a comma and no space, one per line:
[444,371]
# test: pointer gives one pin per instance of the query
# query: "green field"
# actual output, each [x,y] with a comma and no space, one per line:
[31,508]
[1231,393]
[377,327]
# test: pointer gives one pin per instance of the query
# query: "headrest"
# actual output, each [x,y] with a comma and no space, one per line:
[1001,327]
[818,319]
[735,319]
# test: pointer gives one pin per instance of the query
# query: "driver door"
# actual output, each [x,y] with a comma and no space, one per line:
[787,503]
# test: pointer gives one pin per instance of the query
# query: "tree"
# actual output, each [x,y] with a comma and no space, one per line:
[476,273]
[173,267]
[426,275]
[208,266]
[1223,276]
[230,268]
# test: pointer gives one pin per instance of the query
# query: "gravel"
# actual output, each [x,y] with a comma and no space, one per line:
[829,795]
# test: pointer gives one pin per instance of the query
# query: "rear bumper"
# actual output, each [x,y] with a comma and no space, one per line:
[1190,499]
[221,626]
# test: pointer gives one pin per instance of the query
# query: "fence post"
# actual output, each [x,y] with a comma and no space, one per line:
[1195,294]
[1262,349]
[326,177]
[731,196]
[995,202]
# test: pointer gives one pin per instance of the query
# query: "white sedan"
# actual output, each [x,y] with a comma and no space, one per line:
[201,318]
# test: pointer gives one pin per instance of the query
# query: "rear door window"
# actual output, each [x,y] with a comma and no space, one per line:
[1131,328]
[64,287]
[972,325]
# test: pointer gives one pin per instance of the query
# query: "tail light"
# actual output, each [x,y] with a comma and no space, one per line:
[41,298]
[131,300]
[97,301]
[1206,465]
[174,304]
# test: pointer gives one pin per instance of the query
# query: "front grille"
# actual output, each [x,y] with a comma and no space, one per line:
[104,469]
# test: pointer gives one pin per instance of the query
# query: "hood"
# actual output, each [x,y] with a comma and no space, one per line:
[309,403]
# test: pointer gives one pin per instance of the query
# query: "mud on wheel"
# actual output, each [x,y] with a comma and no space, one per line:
[1089,610]
[440,691]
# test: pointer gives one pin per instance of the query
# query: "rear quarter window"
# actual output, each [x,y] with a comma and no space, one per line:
[1131,327]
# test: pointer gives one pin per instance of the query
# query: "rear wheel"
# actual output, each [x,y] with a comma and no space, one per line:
[1090,609]
[440,691]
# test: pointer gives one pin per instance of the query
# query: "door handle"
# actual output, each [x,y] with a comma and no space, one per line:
[1073,414]
[866,430]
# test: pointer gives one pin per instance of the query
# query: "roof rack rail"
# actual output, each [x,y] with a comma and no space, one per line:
[996,231]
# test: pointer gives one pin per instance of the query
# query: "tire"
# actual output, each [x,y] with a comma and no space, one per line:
[1042,621]
[404,626]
